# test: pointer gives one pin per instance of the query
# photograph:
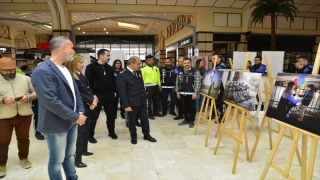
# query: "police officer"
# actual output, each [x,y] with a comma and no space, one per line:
[133,97]
[168,79]
[258,67]
[218,100]
[151,78]
[303,66]
[188,85]
[178,102]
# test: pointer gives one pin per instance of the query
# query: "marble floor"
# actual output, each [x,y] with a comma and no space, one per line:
[178,154]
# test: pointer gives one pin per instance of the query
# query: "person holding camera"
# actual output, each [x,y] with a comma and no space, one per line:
[16,94]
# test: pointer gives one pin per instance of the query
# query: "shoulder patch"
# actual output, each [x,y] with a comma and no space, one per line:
[123,71]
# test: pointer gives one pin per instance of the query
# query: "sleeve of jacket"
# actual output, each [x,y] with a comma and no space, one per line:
[44,85]
[89,74]
[159,81]
[85,98]
[122,90]
[80,107]
[143,73]
[291,99]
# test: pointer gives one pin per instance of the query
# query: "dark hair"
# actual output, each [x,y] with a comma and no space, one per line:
[149,56]
[185,59]
[303,57]
[168,59]
[43,55]
[311,86]
[259,57]
[101,52]
[288,89]
[114,64]
[250,62]
[198,63]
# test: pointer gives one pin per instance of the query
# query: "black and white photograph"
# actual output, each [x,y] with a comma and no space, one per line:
[295,101]
[242,89]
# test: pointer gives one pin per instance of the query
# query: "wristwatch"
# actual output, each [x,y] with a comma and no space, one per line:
[28,98]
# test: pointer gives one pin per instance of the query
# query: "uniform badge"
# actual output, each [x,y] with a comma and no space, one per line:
[180,73]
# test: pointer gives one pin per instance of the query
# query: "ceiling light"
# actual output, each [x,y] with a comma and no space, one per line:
[75,16]
[78,28]
[107,32]
[164,14]
[83,32]
[24,16]
[128,25]
[47,26]
[104,29]
[98,18]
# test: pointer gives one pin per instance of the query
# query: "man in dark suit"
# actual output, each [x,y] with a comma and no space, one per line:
[133,97]
[60,108]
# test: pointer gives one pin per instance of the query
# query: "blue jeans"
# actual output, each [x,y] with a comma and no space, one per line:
[199,100]
[62,147]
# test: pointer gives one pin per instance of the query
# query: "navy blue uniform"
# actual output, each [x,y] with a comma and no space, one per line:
[259,69]
[305,70]
[178,101]
[116,73]
[83,131]
[132,94]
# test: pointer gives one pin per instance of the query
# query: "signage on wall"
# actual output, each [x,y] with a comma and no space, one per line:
[185,42]
[4,49]
[171,47]
[43,46]
[174,28]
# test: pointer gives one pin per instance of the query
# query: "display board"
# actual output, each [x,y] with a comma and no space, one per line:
[211,82]
[117,55]
[276,59]
[295,101]
[241,90]
[194,60]
[239,59]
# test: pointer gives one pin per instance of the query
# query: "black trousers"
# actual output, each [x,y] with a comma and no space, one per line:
[116,101]
[83,136]
[179,106]
[34,108]
[189,107]
[165,94]
[107,101]
[141,113]
[153,99]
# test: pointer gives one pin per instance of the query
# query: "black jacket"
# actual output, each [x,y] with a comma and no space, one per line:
[85,92]
[131,89]
[168,77]
[101,78]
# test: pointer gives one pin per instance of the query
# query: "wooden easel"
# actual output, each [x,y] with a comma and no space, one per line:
[242,126]
[306,170]
[204,106]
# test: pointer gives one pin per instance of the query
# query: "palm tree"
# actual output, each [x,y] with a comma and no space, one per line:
[263,8]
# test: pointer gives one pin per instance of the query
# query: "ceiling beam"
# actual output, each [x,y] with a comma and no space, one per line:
[24,7]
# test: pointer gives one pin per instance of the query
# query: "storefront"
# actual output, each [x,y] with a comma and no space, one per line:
[186,46]
[171,52]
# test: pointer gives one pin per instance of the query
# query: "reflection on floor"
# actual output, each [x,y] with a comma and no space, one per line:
[178,154]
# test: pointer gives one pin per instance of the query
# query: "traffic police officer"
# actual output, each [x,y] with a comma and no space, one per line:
[151,78]
[168,79]
[302,65]
[178,102]
[188,85]
[133,97]
[258,67]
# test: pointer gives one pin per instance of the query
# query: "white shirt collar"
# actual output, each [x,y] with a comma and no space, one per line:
[130,69]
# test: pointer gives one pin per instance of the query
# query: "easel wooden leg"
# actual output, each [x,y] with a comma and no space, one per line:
[223,120]
[312,158]
[239,141]
[297,150]
[291,153]
[258,138]
[209,124]
[304,156]
[270,133]
[246,138]
[273,152]
[252,123]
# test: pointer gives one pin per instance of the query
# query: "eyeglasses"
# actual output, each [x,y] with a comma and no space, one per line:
[7,70]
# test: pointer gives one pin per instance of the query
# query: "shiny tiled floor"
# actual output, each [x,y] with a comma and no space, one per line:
[178,154]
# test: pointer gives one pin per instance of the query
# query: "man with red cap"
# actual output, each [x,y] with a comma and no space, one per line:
[16,94]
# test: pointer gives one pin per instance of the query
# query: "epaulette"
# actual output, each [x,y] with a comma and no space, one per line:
[123,71]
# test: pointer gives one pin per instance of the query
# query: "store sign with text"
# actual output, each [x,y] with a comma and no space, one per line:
[4,49]
[174,28]
[43,46]
[185,42]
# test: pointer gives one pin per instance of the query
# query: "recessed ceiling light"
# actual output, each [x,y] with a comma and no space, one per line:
[128,25]
[78,28]
[107,32]
[104,29]
[75,16]
[98,18]
[24,16]
[164,14]
[83,32]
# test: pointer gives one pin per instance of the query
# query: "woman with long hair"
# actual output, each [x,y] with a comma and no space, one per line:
[200,67]
[117,67]
[287,101]
[89,102]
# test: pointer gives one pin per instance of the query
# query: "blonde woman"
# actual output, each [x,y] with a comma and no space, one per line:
[89,102]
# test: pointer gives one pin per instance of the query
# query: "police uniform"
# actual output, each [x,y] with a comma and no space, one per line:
[83,131]
[188,83]
[259,69]
[305,70]
[151,79]
[168,79]
[178,101]
[132,94]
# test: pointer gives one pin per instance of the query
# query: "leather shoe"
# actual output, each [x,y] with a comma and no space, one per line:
[164,114]
[87,153]
[80,164]
[39,136]
[151,117]
[178,117]
[92,140]
[138,124]
[173,113]
[113,136]
[149,138]
[158,115]
[133,140]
